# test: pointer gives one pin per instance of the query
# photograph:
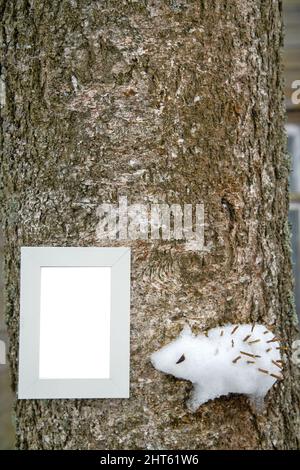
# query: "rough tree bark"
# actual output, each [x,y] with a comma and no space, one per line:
[165,101]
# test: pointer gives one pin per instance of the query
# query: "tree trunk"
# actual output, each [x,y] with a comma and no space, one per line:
[164,101]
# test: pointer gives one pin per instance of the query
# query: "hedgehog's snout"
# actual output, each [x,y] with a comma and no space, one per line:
[153,360]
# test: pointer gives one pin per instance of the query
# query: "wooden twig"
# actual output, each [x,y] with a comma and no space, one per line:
[234,329]
[247,354]
[236,359]
[277,376]
[264,371]
[273,340]
[274,362]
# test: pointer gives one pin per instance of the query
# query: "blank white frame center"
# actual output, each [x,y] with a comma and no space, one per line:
[74,323]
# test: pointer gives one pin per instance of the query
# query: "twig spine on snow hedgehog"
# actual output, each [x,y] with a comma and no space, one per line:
[241,359]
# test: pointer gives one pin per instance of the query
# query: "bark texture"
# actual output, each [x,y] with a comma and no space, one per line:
[162,101]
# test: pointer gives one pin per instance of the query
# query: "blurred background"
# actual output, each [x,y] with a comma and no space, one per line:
[291,60]
[7,434]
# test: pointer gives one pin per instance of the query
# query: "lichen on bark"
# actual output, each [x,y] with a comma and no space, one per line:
[191,92]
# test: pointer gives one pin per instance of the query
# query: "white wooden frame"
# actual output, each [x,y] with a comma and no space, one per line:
[31,386]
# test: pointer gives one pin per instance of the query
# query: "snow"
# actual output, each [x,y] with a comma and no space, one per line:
[228,359]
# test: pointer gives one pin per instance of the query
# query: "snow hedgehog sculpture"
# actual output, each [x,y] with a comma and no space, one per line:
[230,359]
